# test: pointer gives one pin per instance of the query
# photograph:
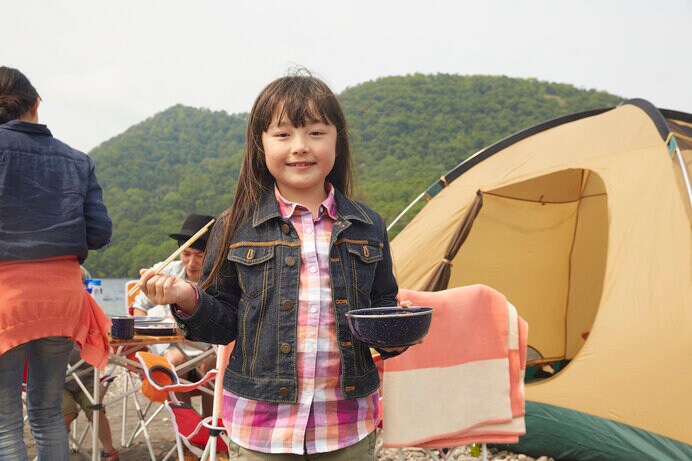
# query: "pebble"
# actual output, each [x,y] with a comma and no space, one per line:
[457,454]
[410,454]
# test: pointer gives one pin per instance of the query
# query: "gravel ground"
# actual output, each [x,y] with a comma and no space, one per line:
[160,431]
[458,454]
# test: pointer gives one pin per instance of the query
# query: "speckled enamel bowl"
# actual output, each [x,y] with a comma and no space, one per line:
[390,326]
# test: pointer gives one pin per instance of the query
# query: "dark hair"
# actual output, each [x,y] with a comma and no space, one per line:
[17,94]
[299,98]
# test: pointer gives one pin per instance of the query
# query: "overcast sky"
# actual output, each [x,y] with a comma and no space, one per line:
[102,67]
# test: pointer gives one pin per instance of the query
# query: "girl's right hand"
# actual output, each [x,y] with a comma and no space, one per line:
[168,289]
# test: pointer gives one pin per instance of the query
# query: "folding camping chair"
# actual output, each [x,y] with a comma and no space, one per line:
[73,372]
[197,434]
[130,298]
[145,414]
[77,441]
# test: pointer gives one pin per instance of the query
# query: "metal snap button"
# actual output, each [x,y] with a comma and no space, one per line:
[285,348]
[283,392]
[287,305]
[285,229]
[290,261]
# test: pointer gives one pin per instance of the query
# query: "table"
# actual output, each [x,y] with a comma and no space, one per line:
[120,350]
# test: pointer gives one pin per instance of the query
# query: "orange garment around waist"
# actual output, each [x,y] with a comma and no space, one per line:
[46,297]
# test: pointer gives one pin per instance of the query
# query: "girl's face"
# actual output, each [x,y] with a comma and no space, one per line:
[300,158]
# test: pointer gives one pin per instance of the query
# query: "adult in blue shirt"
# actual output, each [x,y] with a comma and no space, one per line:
[51,214]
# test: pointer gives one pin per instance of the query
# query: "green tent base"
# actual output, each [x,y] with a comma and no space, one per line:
[571,435]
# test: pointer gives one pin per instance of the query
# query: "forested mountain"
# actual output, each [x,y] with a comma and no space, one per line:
[406,132]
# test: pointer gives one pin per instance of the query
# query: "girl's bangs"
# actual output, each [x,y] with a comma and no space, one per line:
[300,111]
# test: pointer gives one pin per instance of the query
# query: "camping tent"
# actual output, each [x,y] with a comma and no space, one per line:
[583,222]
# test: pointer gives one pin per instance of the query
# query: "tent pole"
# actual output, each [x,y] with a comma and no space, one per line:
[405,210]
[684,173]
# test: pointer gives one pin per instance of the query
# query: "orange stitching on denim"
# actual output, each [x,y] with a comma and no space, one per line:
[263,244]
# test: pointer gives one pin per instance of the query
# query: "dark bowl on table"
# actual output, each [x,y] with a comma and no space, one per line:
[383,327]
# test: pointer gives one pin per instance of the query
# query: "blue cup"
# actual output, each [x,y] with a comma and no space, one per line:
[123,327]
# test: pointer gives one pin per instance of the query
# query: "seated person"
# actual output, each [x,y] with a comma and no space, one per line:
[74,398]
[188,268]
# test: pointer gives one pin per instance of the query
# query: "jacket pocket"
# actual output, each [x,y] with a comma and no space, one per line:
[255,266]
[364,258]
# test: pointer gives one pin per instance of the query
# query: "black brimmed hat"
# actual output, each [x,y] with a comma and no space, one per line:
[193,223]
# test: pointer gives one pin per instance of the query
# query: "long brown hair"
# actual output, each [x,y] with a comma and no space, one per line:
[300,99]
[17,94]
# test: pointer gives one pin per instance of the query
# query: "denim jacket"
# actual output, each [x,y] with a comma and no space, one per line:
[256,301]
[50,201]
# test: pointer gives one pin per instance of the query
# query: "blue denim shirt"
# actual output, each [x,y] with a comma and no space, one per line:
[256,301]
[50,201]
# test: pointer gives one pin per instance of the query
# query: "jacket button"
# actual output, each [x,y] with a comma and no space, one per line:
[290,261]
[285,348]
[287,305]
[285,229]
[283,392]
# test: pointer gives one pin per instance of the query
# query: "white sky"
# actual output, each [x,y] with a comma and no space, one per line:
[102,67]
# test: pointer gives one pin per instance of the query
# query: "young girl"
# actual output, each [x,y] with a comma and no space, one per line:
[287,260]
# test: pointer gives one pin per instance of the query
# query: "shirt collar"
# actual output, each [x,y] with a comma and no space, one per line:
[27,127]
[288,208]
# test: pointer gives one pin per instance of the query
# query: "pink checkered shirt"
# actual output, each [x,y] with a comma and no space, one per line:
[322,420]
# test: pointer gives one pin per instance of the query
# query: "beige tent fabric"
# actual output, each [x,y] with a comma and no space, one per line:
[518,235]
[440,278]
[584,228]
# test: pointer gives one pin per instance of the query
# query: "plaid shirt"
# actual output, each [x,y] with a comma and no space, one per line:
[322,420]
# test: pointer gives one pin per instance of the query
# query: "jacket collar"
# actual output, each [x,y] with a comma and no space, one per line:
[27,127]
[346,209]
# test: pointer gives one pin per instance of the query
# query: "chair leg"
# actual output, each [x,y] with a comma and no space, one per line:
[128,383]
[143,425]
[179,444]
[210,450]
[433,455]
[84,432]
[77,446]
[171,452]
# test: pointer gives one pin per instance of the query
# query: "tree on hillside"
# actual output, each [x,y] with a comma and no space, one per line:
[406,132]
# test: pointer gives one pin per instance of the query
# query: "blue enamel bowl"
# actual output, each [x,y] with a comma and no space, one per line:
[381,327]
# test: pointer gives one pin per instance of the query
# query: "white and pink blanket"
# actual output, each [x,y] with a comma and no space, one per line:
[465,382]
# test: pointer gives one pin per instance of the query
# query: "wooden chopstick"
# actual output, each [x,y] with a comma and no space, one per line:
[175,254]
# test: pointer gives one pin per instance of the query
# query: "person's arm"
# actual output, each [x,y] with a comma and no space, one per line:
[209,316]
[141,304]
[99,226]
[138,312]
[164,288]
[385,287]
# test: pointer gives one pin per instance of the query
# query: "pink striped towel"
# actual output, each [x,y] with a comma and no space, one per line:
[465,382]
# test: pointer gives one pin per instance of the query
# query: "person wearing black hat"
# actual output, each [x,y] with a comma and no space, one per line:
[188,268]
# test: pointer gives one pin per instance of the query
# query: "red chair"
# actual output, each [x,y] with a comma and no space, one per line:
[130,298]
[191,430]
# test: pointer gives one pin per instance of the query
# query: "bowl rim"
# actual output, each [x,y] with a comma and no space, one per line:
[359,313]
